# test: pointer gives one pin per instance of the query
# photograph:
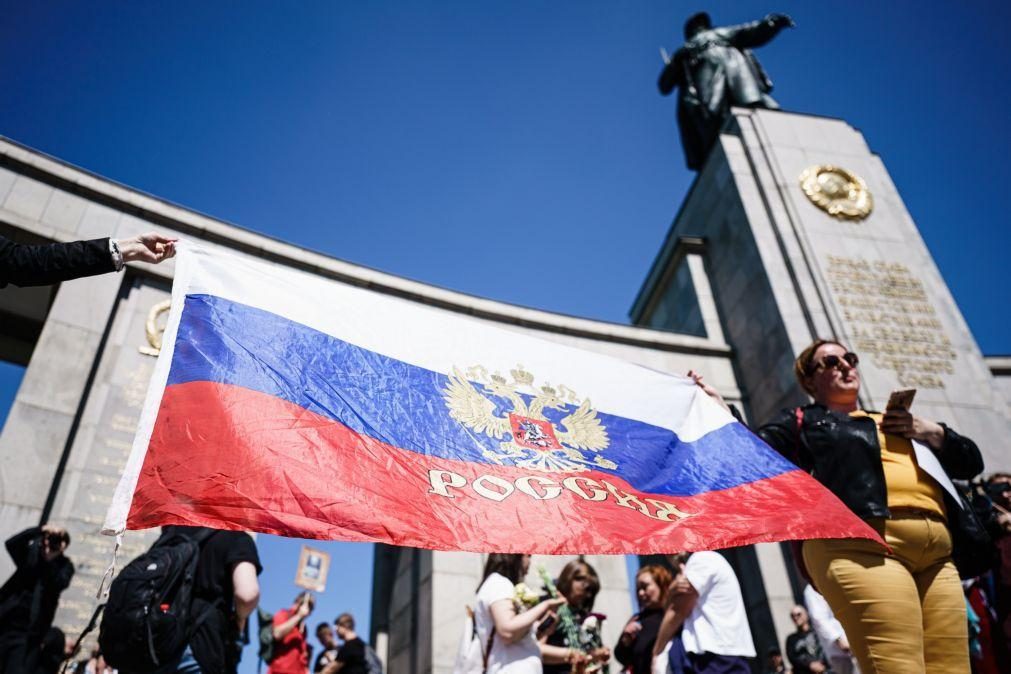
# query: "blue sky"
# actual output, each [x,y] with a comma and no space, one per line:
[514,150]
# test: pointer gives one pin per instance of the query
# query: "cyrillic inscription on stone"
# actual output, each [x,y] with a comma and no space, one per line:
[891,320]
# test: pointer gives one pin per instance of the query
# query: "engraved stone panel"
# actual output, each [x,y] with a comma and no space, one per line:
[887,313]
[101,448]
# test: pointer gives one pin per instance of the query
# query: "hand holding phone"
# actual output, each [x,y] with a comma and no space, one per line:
[901,399]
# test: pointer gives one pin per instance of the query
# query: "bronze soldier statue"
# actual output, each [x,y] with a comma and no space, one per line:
[714,69]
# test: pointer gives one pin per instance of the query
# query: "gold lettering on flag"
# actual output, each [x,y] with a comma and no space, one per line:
[448,484]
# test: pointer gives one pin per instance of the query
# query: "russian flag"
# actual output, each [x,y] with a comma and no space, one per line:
[290,404]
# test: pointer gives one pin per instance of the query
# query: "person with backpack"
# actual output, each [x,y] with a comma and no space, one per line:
[291,646]
[29,598]
[183,605]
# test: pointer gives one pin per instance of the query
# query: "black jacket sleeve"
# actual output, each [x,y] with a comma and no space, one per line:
[623,653]
[959,456]
[26,265]
[20,547]
[783,435]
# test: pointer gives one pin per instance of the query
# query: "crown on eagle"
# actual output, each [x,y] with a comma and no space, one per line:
[521,376]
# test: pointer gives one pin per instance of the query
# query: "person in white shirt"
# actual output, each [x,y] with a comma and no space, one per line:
[705,598]
[830,633]
[507,636]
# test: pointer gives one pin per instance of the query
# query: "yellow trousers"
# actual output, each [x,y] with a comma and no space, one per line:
[904,613]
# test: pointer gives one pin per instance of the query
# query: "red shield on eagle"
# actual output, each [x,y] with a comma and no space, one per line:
[534,434]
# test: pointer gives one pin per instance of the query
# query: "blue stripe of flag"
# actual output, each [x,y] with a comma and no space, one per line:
[402,405]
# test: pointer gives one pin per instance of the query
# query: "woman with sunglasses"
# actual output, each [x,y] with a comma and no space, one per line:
[903,611]
[579,584]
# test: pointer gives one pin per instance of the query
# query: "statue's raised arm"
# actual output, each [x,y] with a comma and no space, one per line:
[756,33]
[714,70]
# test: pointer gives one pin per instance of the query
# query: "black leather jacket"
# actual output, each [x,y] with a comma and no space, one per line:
[843,453]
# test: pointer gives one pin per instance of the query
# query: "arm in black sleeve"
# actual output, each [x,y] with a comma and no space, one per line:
[623,652]
[27,265]
[959,456]
[783,434]
[59,574]
[21,549]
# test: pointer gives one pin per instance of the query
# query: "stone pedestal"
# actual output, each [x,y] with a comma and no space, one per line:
[784,271]
[778,271]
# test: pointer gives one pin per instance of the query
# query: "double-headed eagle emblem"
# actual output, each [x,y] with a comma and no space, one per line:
[542,428]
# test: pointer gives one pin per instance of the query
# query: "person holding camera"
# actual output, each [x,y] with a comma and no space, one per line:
[29,598]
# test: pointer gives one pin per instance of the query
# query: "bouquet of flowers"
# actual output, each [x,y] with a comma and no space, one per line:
[524,597]
[591,640]
[584,637]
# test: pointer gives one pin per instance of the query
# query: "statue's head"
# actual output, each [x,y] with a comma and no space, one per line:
[697,22]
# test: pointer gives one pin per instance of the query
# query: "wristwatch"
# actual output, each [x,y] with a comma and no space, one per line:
[117,256]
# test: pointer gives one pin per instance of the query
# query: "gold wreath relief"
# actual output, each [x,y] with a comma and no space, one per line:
[840,193]
[152,330]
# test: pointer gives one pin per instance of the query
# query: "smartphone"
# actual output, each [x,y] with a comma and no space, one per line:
[901,399]
[546,625]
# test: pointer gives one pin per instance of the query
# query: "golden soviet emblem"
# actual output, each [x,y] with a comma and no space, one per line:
[838,192]
[152,330]
[515,412]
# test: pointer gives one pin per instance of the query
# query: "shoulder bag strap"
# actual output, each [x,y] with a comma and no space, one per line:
[798,414]
[487,651]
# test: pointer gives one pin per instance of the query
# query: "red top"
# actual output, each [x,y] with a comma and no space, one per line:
[291,655]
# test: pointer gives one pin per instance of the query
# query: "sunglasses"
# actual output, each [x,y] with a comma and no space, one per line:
[832,361]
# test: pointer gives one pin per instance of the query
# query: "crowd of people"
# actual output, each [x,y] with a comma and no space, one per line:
[936,600]
[290,652]
[225,592]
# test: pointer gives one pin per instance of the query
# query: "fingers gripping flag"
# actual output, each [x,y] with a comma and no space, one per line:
[290,404]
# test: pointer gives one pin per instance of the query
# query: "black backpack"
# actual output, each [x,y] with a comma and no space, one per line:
[148,619]
[265,630]
[373,665]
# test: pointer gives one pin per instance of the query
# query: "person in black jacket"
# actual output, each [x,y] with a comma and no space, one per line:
[803,648]
[39,265]
[902,608]
[634,649]
[29,598]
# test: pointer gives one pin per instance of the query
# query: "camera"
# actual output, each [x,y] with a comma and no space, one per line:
[54,540]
